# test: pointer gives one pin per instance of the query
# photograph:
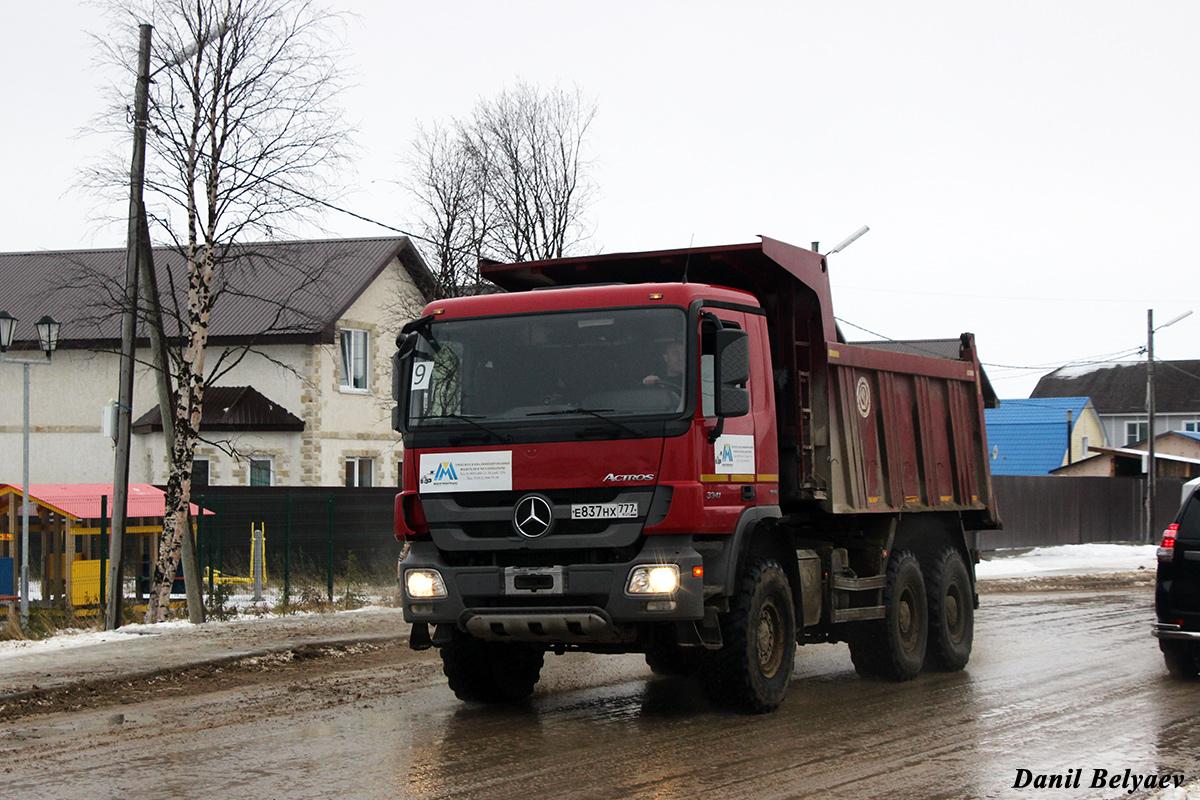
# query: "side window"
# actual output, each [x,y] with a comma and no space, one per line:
[708,348]
[1192,426]
[355,359]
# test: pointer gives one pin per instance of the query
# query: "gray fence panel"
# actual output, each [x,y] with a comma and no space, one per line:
[1047,510]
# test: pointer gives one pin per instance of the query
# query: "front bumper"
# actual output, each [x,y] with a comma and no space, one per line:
[569,603]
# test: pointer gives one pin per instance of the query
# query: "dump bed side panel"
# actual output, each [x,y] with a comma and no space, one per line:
[906,434]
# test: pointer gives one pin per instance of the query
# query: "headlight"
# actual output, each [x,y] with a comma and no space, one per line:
[424,584]
[653,579]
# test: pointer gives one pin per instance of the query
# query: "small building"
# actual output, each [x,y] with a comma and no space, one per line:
[1038,435]
[1176,455]
[1118,392]
[67,544]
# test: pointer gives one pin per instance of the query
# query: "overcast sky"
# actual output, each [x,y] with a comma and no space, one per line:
[1028,169]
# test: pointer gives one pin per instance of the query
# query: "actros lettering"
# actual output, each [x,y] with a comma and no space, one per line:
[625,478]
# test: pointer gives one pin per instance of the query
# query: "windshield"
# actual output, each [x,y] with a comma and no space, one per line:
[610,364]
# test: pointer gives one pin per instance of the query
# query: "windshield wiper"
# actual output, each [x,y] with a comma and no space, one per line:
[595,412]
[470,421]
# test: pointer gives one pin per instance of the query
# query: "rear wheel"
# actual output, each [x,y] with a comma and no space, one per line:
[951,612]
[894,647]
[752,669]
[490,672]
[1182,657]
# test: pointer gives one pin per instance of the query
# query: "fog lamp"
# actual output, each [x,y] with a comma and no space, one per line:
[653,579]
[424,583]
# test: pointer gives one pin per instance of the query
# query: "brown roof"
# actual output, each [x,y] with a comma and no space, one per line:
[1120,387]
[231,408]
[291,290]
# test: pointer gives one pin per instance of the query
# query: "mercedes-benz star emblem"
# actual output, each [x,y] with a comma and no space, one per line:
[533,516]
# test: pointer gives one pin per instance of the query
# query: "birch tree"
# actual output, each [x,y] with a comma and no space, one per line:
[512,182]
[244,132]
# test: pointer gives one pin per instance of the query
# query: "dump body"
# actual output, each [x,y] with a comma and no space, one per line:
[675,453]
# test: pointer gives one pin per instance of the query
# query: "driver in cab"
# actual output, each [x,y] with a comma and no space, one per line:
[672,377]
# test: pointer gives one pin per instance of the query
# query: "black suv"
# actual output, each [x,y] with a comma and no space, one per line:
[1177,591]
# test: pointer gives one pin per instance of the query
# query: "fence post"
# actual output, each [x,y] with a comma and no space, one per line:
[329,544]
[258,555]
[287,549]
[220,563]
[103,548]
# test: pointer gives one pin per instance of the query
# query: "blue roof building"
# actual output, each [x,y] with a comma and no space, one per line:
[1036,435]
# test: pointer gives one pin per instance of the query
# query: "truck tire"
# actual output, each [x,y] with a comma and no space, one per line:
[752,669]
[951,612]
[894,647]
[490,672]
[1182,658]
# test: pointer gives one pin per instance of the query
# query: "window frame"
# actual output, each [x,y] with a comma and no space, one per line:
[359,356]
[357,462]
[270,462]
[1137,427]
[207,471]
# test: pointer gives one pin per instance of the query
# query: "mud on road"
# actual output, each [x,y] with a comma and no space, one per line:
[1059,682]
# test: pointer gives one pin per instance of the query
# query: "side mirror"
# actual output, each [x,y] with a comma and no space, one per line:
[406,343]
[732,367]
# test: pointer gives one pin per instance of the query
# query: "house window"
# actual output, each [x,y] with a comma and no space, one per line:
[359,471]
[199,473]
[260,472]
[1192,426]
[354,360]
[1136,432]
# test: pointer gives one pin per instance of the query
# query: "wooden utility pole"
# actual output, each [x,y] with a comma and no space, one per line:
[137,172]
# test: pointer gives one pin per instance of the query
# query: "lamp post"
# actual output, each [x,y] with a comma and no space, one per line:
[1151,466]
[47,330]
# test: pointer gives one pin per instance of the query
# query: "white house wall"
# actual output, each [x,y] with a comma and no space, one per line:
[66,403]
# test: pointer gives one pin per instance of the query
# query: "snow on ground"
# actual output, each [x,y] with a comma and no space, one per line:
[1071,559]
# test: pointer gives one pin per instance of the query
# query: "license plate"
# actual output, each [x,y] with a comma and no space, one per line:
[604,511]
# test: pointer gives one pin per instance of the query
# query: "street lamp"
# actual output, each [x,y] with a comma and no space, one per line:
[1151,466]
[47,329]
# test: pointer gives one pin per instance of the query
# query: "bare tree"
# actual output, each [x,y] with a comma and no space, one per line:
[511,183]
[244,135]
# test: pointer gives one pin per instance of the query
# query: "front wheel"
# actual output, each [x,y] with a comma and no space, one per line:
[894,647]
[752,669]
[490,672]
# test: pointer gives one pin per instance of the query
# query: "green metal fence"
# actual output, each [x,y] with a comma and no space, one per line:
[318,545]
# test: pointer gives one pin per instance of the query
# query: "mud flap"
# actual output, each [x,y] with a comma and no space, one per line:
[419,638]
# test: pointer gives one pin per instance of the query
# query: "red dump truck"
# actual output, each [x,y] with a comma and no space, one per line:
[674,453]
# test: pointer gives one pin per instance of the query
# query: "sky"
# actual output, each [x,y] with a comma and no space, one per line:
[1028,170]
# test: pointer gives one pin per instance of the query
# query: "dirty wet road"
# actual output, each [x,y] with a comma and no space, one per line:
[1057,682]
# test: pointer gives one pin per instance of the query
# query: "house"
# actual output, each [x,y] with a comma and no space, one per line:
[1176,455]
[300,344]
[1118,391]
[1037,436]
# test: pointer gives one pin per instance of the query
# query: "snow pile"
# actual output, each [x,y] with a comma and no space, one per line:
[1071,559]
